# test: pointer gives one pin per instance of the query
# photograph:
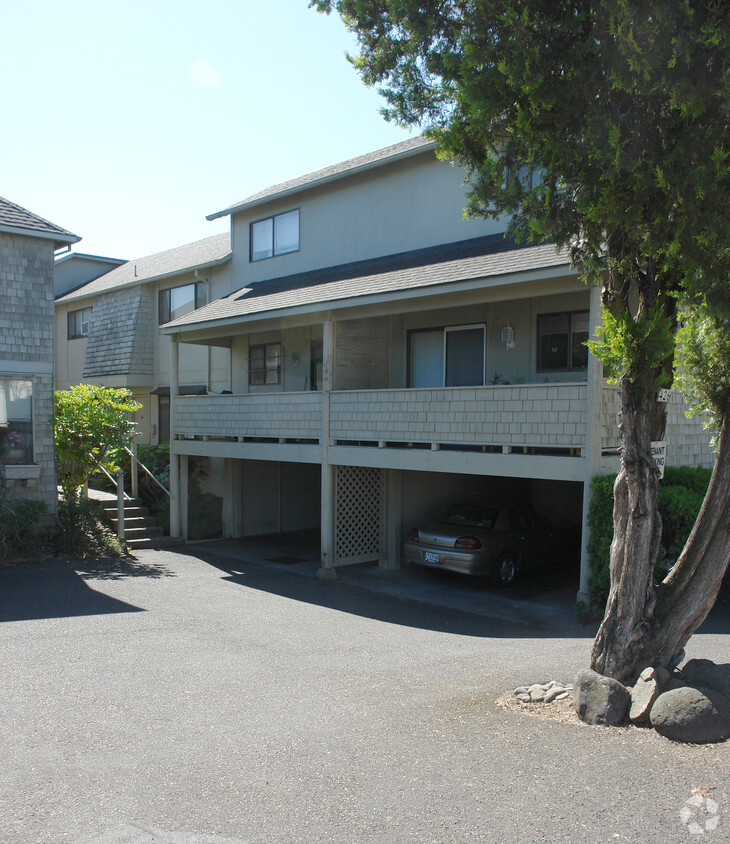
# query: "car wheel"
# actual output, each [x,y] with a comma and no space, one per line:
[506,569]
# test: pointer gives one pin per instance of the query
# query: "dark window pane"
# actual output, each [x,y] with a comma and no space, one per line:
[553,341]
[465,357]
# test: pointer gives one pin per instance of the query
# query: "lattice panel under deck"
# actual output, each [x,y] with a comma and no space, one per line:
[359,513]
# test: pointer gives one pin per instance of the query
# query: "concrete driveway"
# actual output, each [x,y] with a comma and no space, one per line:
[204,697]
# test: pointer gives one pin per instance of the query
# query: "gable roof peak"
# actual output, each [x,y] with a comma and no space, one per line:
[368,161]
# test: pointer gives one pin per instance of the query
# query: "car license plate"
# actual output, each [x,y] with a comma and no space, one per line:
[430,557]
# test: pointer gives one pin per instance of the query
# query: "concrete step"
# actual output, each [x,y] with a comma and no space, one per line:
[154,542]
[135,522]
[142,532]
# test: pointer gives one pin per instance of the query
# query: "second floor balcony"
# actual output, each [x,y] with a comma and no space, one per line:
[548,417]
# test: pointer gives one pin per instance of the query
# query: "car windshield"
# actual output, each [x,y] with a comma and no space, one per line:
[468,515]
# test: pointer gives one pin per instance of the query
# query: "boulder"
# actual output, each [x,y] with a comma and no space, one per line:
[693,715]
[645,691]
[600,700]
[705,674]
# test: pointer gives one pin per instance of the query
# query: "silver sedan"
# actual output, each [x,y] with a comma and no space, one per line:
[494,540]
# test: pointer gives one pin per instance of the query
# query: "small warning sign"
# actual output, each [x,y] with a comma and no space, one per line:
[659,453]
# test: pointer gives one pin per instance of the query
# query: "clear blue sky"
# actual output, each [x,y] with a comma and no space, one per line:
[128,122]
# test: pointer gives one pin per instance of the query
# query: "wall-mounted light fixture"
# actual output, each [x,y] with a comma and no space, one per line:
[508,337]
[293,358]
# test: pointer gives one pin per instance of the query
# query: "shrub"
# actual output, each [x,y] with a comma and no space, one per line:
[83,530]
[18,520]
[681,493]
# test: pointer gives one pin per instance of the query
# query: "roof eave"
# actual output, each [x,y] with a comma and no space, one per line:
[516,276]
[332,177]
[134,282]
[85,255]
[63,239]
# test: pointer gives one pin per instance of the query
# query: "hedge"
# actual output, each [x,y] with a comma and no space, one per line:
[681,493]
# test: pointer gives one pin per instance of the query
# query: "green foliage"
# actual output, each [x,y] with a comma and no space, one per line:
[681,493]
[18,520]
[629,347]
[577,119]
[703,361]
[89,423]
[83,531]
[679,507]
[600,527]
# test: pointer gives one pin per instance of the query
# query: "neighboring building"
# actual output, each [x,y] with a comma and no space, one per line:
[107,329]
[72,269]
[27,245]
[388,356]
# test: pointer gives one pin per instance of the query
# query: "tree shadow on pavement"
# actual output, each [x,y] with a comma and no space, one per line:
[52,589]
[119,568]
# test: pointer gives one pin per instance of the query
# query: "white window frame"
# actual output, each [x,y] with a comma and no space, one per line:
[273,250]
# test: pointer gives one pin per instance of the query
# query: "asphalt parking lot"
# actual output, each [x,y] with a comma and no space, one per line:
[210,696]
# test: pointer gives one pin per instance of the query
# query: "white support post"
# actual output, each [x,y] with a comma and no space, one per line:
[120,503]
[174,460]
[327,561]
[594,399]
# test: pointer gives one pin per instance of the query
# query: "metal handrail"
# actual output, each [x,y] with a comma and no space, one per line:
[139,463]
[114,481]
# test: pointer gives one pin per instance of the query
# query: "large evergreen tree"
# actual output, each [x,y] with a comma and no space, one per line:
[601,126]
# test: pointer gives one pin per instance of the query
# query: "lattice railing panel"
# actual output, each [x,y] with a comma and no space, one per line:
[359,513]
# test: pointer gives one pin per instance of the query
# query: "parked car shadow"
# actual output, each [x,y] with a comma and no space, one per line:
[52,589]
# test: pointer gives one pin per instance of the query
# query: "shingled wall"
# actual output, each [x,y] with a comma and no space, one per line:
[26,352]
[121,334]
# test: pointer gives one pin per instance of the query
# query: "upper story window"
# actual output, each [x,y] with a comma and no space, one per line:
[264,364]
[16,421]
[561,342]
[178,301]
[275,235]
[78,323]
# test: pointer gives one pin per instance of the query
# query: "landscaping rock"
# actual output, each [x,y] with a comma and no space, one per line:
[645,691]
[542,692]
[600,700]
[693,715]
[705,674]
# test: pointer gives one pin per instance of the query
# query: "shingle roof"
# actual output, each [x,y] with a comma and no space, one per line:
[327,174]
[15,218]
[469,260]
[203,253]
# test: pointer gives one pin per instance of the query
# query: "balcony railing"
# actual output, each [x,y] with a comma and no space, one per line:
[539,415]
[259,416]
[540,418]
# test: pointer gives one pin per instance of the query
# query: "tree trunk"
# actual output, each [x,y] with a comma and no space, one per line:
[645,625]
[637,530]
